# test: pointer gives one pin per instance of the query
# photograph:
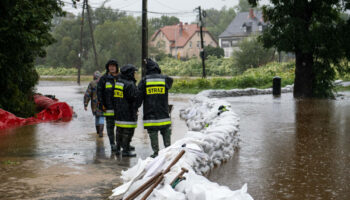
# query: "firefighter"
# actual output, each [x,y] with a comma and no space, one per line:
[105,92]
[153,90]
[125,105]
[91,94]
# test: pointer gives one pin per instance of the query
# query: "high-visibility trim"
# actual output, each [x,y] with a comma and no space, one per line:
[119,85]
[155,90]
[160,122]
[126,124]
[108,113]
[108,85]
[155,81]
[118,94]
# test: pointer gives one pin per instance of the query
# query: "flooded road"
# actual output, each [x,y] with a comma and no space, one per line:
[289,150]
[67,160]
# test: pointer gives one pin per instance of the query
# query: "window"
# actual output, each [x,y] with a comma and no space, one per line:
[225,44]
[260,28]
[198,44]
[190,44]
[244,29]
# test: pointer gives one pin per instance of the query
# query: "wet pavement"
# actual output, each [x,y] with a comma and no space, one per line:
[289,150]
[67,160]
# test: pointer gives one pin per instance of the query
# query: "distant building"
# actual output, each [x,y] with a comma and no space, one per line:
[181,40]
[242,26]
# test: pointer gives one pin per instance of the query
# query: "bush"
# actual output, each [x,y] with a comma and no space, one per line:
[257,78]
[58,71]
[252,54]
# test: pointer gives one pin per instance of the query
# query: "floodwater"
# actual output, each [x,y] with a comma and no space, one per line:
[67,160]
[290,149]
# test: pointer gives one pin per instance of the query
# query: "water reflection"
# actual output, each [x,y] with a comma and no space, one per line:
[100,149]
[290,149]
[21,142]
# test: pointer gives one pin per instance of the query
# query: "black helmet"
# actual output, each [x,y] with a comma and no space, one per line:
[152,67]
[112,62]
[128,71]
[129,68]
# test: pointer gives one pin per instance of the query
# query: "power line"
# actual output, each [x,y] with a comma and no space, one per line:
[164,5]
[140,12]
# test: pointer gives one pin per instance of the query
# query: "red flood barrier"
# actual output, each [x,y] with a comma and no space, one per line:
[50,110]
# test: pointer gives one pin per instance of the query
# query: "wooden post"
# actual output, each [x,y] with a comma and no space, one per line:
[160,178]
[81,42]
[91,33]
[202,42]
[144,53]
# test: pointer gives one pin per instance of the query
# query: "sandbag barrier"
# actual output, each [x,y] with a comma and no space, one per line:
[243,92]
[211,139]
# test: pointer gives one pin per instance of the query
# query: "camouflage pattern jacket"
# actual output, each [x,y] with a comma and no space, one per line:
[91,95]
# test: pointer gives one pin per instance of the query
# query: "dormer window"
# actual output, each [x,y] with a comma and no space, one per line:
[247,27]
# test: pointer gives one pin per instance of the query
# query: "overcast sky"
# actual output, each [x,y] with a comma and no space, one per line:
[183,9]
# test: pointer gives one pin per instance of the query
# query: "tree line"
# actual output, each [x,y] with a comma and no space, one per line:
[117,35]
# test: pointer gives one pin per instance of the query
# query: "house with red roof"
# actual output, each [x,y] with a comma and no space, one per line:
[181,40]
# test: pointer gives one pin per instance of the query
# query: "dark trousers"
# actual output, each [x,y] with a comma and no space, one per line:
[153,135]
[124,137]
[110,129]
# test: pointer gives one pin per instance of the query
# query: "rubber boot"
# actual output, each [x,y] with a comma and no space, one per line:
[97,129]
[166,133]
[153,135]
[101,127]
[110,132]
[126,146]
[118,141]
[131,134]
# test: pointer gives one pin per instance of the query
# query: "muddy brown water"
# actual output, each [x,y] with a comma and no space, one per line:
[67,160]
[289,150]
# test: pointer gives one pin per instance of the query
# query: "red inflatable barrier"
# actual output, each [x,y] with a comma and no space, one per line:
[51,110]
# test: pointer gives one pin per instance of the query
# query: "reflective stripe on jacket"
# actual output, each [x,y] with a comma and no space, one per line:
[125,96]
[105,93]
[153,90]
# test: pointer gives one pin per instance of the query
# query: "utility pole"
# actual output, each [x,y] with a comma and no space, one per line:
[144,53]
[202,42]
[91,33]
[81,42]
[85,6]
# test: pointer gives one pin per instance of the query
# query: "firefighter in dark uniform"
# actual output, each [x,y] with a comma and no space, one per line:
[153,90]
[105,92]
[125,105]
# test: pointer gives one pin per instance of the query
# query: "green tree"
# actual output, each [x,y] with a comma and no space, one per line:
[216,21]
[315,32]
[213,51]
[102,14]
[243,6]
[117,39]
[251,54]
[24,32]
[157,23]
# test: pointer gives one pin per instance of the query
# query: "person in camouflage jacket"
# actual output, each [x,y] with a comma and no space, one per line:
[91,96]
